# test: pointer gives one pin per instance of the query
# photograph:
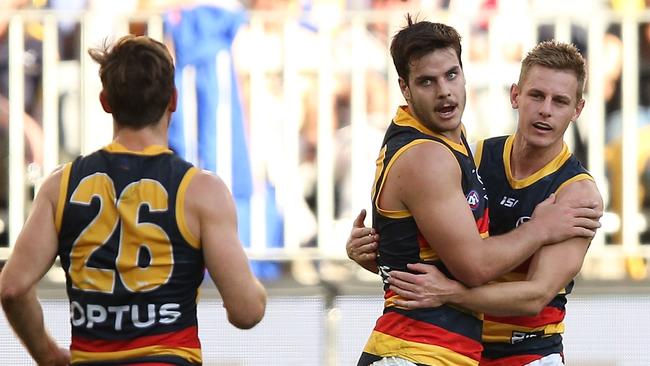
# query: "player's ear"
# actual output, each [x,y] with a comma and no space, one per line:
[579,106]
[403,86]
[173,101]
[514,94]
[103,99]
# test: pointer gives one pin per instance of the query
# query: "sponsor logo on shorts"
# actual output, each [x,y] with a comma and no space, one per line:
[523,336]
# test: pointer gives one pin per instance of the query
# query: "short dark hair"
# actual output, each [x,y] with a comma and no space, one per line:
[137,76]
[417,39]
[558,56]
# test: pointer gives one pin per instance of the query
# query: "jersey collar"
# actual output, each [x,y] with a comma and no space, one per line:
[550,168]
[115,147]
[403,117]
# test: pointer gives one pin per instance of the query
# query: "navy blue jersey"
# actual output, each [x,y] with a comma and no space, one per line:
[520,340]
[132,266]
[444,335]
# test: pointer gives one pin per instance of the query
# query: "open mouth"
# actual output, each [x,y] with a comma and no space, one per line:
[446,110]
[542,126]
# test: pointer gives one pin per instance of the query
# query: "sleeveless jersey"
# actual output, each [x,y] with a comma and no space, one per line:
[445,335]
[132,266]
[522,339]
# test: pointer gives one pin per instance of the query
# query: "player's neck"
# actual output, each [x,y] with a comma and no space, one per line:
[526,159]
[138,140]
[453,135]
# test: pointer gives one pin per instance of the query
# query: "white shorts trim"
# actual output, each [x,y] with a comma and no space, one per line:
[550,360]
[392,361]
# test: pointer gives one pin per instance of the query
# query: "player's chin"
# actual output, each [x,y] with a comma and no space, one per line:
[447,124]
[542,138]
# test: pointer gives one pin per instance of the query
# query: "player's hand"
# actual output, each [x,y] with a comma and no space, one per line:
[56,356]
[559,221]
[427,288]
[363,241]
[62,357]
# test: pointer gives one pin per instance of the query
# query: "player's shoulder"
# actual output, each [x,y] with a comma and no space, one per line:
[428,156]
[206,187]
[582,187]
[428,164]
[51,186]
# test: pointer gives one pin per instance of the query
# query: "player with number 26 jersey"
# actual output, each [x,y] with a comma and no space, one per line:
[130,260]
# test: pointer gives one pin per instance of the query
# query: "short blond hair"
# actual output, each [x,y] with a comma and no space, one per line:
[558,56]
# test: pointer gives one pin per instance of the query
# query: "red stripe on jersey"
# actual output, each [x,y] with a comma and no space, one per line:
[187,338]
[422,242]
[483,223]
[510,361]
[403,327]
[548,315]
[388,294]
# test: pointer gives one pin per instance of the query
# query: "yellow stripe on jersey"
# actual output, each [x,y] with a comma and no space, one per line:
[385,345]
[180,209]
[190,354]
[400,214]
[428,254]
[502,333]
[63,191]
[389,302]
[379,168]
[404,118]
[576,178]
[549,168]
[115,147]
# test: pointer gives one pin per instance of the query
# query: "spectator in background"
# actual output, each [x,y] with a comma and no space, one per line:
[201,35]
[33,59]
[613,44]
[32,67]
[283,53]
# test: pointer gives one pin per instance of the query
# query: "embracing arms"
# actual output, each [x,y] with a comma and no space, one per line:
[426,181]
[550,270]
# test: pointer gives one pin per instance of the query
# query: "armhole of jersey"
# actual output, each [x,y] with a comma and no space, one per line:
[400,214]
[63,191]
[477,149]
[575,178]
[180,209]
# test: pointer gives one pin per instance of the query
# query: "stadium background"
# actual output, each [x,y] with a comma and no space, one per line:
[317,88]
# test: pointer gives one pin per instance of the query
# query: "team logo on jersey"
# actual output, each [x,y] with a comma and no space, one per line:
[521,220]
[473,200]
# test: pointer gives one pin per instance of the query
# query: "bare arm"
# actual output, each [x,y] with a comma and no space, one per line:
[32,256]
[551,269]
[426,180]
[243,295]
